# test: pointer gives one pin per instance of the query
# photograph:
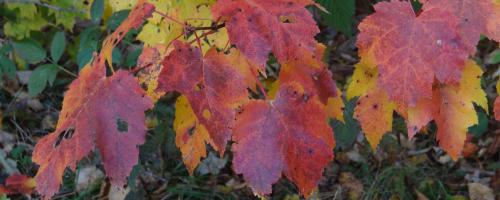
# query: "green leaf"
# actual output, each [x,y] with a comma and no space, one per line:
[341,14]
[495,57]
[116,55]
[482,126]
[40,77]
[87,46]
[84,54]
[132,56]
[30,51]
[116,19]
[57,46]
[416,5]
[346,133]
[6,48]
[7,67]
[97,10]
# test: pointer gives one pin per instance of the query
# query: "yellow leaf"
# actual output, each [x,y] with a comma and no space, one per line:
[191,136]
[470,85]
[219,39]
[163,33]
[195,13]
[363,80]
[118,5]
[159,30]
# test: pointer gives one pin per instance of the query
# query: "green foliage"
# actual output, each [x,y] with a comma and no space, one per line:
[68,11]
[87,45]
[97,10]
[479,129]
[40,77]
[341,14]
[346,133]
[57,46]
[27,19]
[7,67]
[29,50]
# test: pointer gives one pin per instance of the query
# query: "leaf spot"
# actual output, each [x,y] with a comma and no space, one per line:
[121,125]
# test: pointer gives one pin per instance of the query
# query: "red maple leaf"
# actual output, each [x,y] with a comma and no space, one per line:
[475,17]
[258,27]
[275,137]
[106,112]
[215,86]
[412,50]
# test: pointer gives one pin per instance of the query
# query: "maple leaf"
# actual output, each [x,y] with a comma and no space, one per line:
[258,27]
[475,17]
[191,136]
[106,112]
[452,109]
[374,112]
[18,184]
[411,50]
[97,111]
[273,137]
[451,106]
[215,86]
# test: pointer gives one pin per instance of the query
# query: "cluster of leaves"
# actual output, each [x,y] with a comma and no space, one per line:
[214,54]
[416,63]
[216,82]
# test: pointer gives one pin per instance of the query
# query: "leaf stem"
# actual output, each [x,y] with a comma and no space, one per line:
[67,71]
[259,84]
[204,35]
[197,39]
